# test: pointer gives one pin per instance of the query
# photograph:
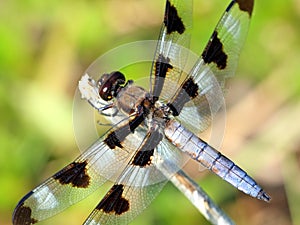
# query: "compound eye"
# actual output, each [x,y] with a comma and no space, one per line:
[109,85]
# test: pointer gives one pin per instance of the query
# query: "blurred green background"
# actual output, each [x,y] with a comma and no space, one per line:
[45,46]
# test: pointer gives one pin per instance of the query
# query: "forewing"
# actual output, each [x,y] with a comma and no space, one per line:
[102,161]
[217,62]
[171,53]
[222,52]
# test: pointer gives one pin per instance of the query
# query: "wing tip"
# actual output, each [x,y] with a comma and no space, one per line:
[246,5]
[22,214]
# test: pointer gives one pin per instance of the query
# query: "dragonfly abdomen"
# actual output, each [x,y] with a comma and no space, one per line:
[212,159]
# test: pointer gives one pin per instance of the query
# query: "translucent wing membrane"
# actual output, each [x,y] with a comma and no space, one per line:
[217,62]
[123,203]
[170,54]
[223,49]
[102,161]
[139,183]
[199,109]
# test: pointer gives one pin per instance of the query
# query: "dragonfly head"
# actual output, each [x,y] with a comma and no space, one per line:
[110,84]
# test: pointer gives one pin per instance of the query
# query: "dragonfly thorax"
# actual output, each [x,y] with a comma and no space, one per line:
[130,98]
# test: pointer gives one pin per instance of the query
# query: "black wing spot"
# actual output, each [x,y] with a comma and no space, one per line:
[162,67]
[113,140]
[133,124]
[74,174]
[188,91]
[143,156]
[113,201]
[214,52]
[22,215]
[190,87]
[172,20]
[246,5]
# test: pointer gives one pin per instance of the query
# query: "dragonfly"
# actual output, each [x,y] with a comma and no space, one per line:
[152,130]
